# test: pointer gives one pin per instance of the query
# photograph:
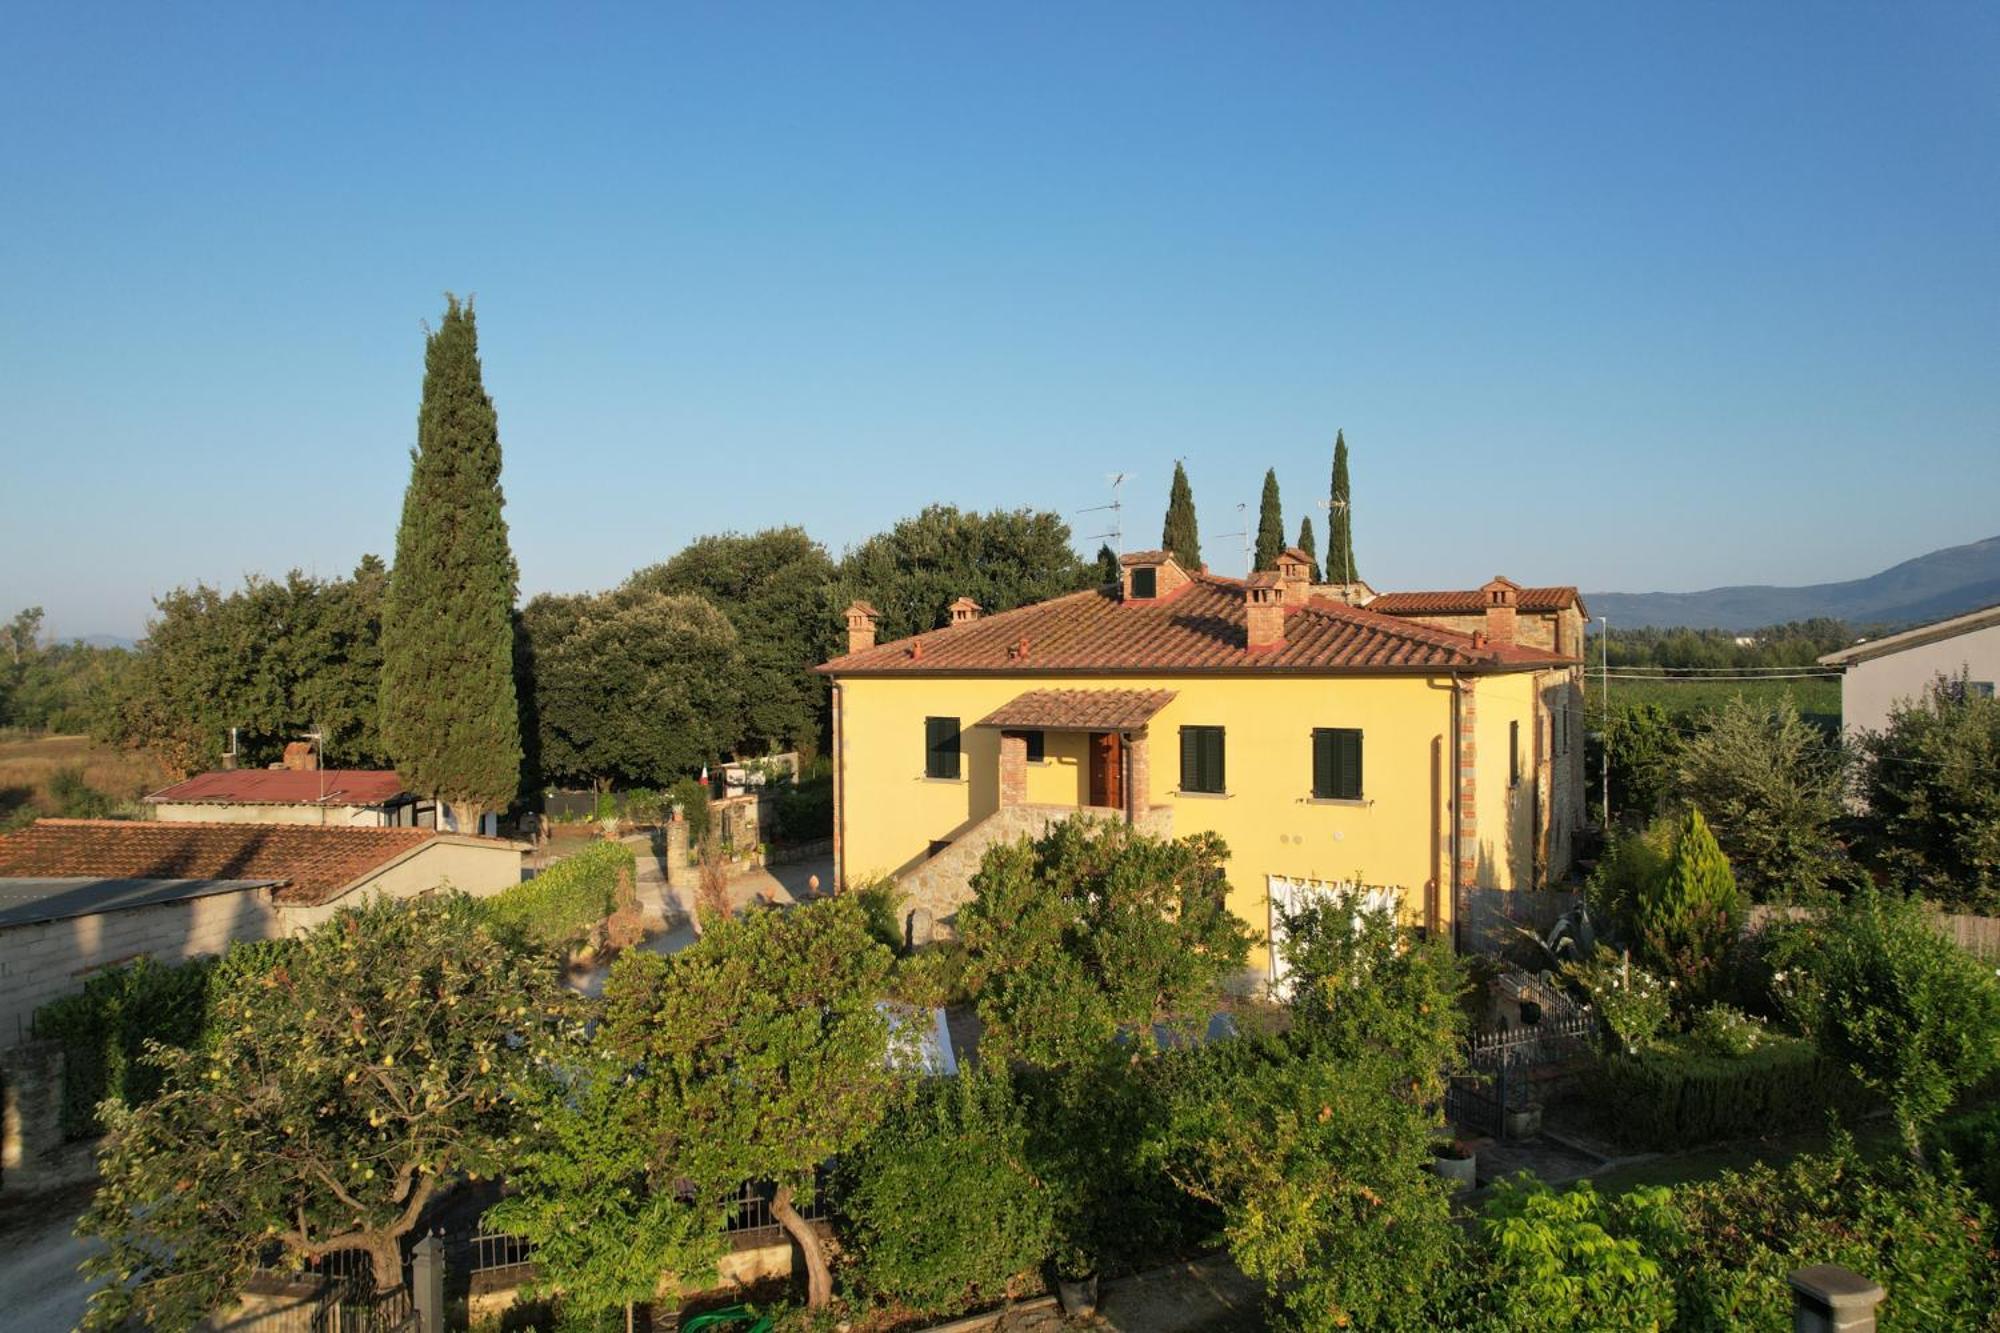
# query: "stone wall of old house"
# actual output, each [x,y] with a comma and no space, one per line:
[935,890]
[213,812]
[1532,629]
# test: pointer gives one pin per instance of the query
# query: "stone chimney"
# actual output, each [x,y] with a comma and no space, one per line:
[861,619]
[1264,611]
[964,611]
[1295,574]
[1500,596]
[299,757]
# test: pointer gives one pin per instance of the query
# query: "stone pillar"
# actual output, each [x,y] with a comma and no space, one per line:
[427,1283]
[679,874]
[1467,784]
[1829,1299]
[31,1118]
[1138,777]
[1013,769]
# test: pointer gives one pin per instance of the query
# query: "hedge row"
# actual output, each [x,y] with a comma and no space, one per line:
[558,908]
[1682,1093]
[104,1028]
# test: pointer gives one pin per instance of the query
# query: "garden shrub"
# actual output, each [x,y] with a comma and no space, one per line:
[1630,1001]
[1731,1242]
[1973,1140]
[558,908]
[1554,1264]
[805,810]
[1686,920]
[1913,1015]
[75,798]
[1680,1093]
[941,1210]
[881,903]
[692,798]
[1632,864]
[1727,1031]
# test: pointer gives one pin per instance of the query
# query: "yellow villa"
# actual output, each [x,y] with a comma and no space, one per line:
[1418,745]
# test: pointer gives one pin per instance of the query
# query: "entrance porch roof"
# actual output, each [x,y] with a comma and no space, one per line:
[1078,710]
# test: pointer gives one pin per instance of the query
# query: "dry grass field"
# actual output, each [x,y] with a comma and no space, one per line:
[29,763]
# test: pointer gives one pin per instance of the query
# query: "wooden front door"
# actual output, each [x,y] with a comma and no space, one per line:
[1107,769]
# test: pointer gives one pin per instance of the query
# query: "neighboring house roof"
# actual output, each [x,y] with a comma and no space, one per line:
[1079,710]
[286,786]
[313,864]
[1198,627]
[1915,638]
[1471,602]
[29,900]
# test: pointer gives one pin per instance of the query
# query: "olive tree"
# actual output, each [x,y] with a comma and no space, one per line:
[330,1098]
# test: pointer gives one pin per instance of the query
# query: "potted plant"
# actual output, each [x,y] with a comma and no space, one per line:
[1455,1164]
[1078,1294]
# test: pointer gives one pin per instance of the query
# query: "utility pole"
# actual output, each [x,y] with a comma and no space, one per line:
[1604,688]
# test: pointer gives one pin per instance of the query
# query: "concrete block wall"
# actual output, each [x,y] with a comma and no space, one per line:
[44,960]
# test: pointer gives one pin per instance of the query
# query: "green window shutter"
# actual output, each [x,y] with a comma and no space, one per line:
[1323,763]
[1350,765]
[1212,761]
[1336,764]
[940,747]
[1190,759]
[1513,752]
[1201,759]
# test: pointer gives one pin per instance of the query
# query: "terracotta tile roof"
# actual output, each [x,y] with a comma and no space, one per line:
[284,786]
[1145,557]
[1199,628]
[1468,602]
[1079,710]
[313,863]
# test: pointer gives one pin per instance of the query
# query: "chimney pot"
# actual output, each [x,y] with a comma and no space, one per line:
[964,611]
[861,618]
[299,756]
[1501,596]
[1264,612]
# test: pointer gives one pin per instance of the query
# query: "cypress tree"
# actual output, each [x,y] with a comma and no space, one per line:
[1340,520]
[1107,565]
[1310,545]
[1180,536]
[1270,524]
[450,720]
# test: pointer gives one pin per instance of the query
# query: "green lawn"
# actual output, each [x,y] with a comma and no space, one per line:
[1818,700]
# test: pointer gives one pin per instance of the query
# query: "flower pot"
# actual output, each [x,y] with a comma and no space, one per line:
[1460,1173]
[1078,1296]
[1524,1123]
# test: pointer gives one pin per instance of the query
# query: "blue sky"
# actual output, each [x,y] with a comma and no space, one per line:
[1631,297]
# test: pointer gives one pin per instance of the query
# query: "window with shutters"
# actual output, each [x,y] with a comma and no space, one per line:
[1201,760]
[1513,754]
[1336,763]
[1145,583]
[941,747]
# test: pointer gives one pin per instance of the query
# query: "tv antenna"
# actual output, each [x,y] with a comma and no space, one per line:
[1116,534]
[1242,518]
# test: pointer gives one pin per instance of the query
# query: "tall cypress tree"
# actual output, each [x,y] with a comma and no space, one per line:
[1107,565]
[1340,521]
[1270,524]
[1180,536]
[1309,544]
[449,716]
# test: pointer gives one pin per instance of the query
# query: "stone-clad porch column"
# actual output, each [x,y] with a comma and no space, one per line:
[1138,776]
[1013,768]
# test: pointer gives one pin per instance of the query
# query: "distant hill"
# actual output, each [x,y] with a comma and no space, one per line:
[1930,587]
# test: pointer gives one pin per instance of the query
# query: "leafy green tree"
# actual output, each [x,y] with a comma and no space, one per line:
[332,1096]
[1181,535]
[776,588]
[275,659]
[1687,916]
[1094,929]
[1883,993]
[1931,781]
[941,1208]
[1642,744]
[633,688]
[22,634]
[1003,559]
[1308,543]
[450,719]
[1340,567]
[1108,570]
[1362,984]
[1320,1167]
[761,1051]
[1771,785]
[1270,524]
[609,1227]
[1556,1264]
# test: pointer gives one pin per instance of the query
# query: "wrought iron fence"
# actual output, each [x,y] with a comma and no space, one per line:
[1510,1068]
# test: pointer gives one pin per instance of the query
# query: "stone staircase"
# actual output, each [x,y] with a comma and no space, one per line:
[934,890]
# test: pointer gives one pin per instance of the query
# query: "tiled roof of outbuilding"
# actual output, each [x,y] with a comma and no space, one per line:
[1196,628]
[1469,602]
[287,786]
[314,863]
